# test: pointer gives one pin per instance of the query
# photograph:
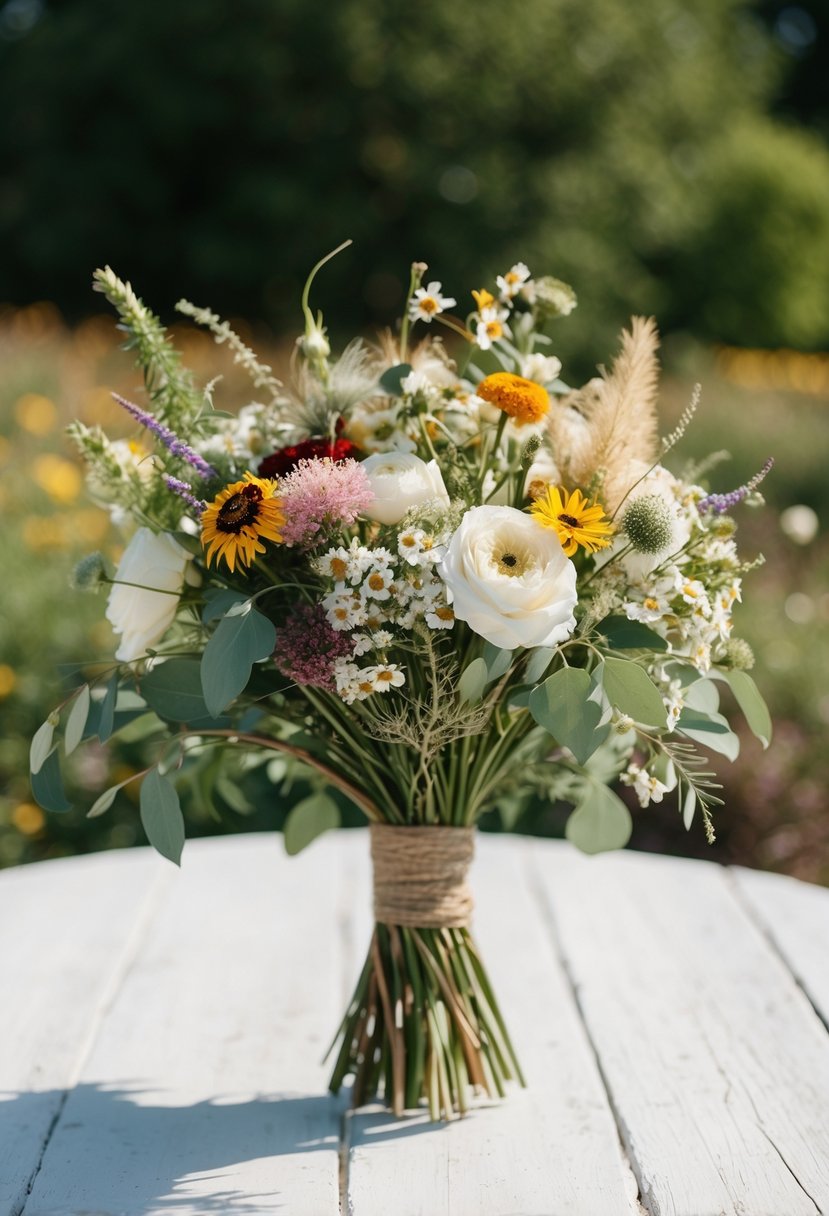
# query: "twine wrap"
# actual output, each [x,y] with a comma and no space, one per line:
[420,876]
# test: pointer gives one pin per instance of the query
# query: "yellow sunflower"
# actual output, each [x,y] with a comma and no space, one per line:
[239,518]
[522,399]
[576,521]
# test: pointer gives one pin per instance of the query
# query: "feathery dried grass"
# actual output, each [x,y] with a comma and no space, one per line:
[605,434]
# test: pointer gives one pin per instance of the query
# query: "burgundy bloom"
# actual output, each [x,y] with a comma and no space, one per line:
[279,463]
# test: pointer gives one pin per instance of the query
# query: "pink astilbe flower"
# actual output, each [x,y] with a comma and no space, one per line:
[321,496]
[306,647]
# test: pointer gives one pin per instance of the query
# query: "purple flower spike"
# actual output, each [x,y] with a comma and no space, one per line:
[724,502]
[170,440]
[183,489]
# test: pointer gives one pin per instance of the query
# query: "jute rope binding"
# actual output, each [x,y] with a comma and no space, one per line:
[420,876]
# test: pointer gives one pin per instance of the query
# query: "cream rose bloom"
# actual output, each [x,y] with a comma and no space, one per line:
[401,480]
[142,614]
[509,579]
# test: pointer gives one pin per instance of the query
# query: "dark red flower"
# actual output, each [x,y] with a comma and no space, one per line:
[279,463]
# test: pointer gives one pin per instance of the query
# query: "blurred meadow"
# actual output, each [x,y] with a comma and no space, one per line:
[669,160]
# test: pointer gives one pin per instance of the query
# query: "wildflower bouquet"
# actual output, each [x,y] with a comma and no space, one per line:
[443,581]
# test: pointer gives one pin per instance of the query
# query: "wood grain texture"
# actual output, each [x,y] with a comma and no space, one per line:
[795,916]
[550,1150]
[717,1066]
[67,931]
[204,1091]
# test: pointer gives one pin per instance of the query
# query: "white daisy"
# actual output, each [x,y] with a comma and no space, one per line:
[428,302]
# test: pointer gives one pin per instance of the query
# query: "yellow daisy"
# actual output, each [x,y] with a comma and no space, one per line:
[239,518]
[576,521]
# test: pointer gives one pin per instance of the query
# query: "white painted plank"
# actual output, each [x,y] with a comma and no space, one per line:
[717,1065]
[67,929]
[795,915]
[205,1091]
[550,1150]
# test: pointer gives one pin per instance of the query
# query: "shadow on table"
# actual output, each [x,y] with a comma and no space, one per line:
[117,1149]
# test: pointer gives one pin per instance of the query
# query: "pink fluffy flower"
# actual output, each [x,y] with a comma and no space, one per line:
[306,647]
[321,496]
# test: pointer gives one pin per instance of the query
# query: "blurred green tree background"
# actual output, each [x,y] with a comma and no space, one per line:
[649,152]
[667,157]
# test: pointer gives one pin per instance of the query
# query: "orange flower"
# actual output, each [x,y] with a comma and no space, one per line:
[522,399]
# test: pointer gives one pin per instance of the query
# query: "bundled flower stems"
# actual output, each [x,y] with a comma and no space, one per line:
[427,576]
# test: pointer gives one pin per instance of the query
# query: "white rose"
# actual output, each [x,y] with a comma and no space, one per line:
[399,481]
[508,578]
[142,614]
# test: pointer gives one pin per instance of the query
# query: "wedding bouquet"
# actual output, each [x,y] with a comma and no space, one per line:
[444,582]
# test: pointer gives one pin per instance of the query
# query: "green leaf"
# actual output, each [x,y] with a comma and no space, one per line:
[161,815]
[76,722]
[392,379]
[47,786]
[623,634]
[189,542]
[632,692]
[472,682]
[106,718]
[231,793]
[174,690]
[105,800]
[497,661]
[600,822]
[702,695]
[220,602]
[241,639]
[562,707]
[41,745]
[540,659]
[689,806]
[750,701]
[310,818]
[711,730]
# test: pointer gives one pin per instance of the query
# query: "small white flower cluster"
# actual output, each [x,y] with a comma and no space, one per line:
[647,788]
[358,683]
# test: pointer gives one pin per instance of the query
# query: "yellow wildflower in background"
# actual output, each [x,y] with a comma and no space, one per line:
[524,400]
[36,414]
[239,518]
[576,521]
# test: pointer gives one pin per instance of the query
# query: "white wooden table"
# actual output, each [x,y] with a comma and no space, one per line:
[161,1035]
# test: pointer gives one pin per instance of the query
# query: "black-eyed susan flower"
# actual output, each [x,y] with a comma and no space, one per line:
[522,399]
[239,518]
[577,521]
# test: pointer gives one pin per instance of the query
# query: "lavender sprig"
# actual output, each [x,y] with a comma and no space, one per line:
[170,440]
[183,489]
[724,502]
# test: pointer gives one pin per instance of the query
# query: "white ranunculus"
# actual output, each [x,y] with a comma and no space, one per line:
[142,614]
[401,480]
[509,579]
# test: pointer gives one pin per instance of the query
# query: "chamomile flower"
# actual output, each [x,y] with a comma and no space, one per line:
[491,325]
[510,284]
[384,676]
[428,302]
[377,585]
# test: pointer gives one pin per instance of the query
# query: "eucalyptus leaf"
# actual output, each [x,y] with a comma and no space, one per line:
[540,659]
[104,801]
[47,786]
[161,815]
[232,794]
[702,695]
[173,689]
[562,706]
[472,682]
[751,702]
[41,745]
[218,602]
[76,722]
[623,634]
[632,692]
[711,730]
[497,661]
[309,819]
[238,643]
[391,381]
[600,822]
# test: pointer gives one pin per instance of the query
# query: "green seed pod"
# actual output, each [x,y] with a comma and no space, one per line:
[738,655]
[648,524]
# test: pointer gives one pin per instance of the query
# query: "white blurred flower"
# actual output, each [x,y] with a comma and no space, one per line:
[800,524]
[509,579]
[154,565]
[401,480]
[490,326]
